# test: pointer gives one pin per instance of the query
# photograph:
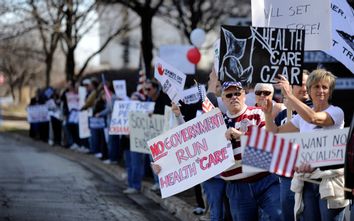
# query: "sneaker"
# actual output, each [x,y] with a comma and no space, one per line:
[74,146]
[155,187]
[51,143]
[83,149]
[98,155]
[108,161]
[198,211]
[130,191]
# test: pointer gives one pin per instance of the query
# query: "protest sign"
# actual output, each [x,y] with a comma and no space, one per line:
[251,55]
[320,148]
[37,113]
[313,16]
[120,115]
[142,128]
[73,101]
[342,33]
[176,56]
[82,96]
[194,94]
[216,48]
[84,130]
[190,153]
[171,90]
[164,71]
[349,161]
[120,88]
[96,122]
[73,117]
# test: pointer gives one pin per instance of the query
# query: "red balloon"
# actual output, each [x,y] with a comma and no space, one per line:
[194,55]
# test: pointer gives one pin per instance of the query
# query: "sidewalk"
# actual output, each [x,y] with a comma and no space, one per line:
[180,205]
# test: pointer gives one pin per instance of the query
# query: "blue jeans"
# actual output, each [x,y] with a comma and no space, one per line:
[315,208]
[214,190]
[134,163]
[94,141]
[287,198]
[113,147]
[246,198]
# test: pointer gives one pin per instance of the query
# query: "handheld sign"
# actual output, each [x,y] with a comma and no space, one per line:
[37,113]
[190,153]
[320,148]
[142,128]
[120,88]
[164,71]
[84,130]
[120,115]
[342,33]
[313,16]
[251,55]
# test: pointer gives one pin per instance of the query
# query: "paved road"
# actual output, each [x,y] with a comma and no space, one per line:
[36,184]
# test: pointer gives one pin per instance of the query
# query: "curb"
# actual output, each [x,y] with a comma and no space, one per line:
[174,205]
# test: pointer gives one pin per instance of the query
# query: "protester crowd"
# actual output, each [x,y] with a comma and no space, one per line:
[234,194]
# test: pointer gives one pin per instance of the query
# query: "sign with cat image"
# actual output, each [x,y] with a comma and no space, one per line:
[253,55]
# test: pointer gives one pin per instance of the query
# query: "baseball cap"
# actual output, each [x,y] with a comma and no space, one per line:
[228,84]
[86,81]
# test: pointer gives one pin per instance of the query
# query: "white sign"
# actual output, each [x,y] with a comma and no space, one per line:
[37,113]
[311,15]
[84,130]
[194,94]
[190,153]
[321,147]
[176,55]
[82,96]
[165,71]
[143,128]
[97,122]
[216,55]
[120,115]
[342,33]
[171,91]
[73,101]
[120,88]
[73,117]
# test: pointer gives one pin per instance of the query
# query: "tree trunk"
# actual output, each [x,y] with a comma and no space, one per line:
[48,69]
[146,42]
[70,64]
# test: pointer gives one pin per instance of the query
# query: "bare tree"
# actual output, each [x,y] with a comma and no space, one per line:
[48,16]
[80,17]
[206,14]
[18,65]
[146,10]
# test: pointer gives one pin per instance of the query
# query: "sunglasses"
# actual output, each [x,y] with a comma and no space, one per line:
[230,95]
[265,93]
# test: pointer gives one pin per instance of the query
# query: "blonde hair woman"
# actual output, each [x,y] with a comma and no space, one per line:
[322,116]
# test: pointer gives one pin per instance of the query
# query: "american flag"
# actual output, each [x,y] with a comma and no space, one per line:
[207,105]
[106,90]
[267,151]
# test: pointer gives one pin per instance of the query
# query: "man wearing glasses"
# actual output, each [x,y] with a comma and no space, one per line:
[247,192]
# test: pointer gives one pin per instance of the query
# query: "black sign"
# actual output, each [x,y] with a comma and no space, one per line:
[252,54]
[349,161]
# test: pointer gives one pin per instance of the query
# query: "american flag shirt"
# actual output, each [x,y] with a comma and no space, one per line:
[243,121]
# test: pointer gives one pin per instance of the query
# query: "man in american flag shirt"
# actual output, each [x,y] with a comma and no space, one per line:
[247,192]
